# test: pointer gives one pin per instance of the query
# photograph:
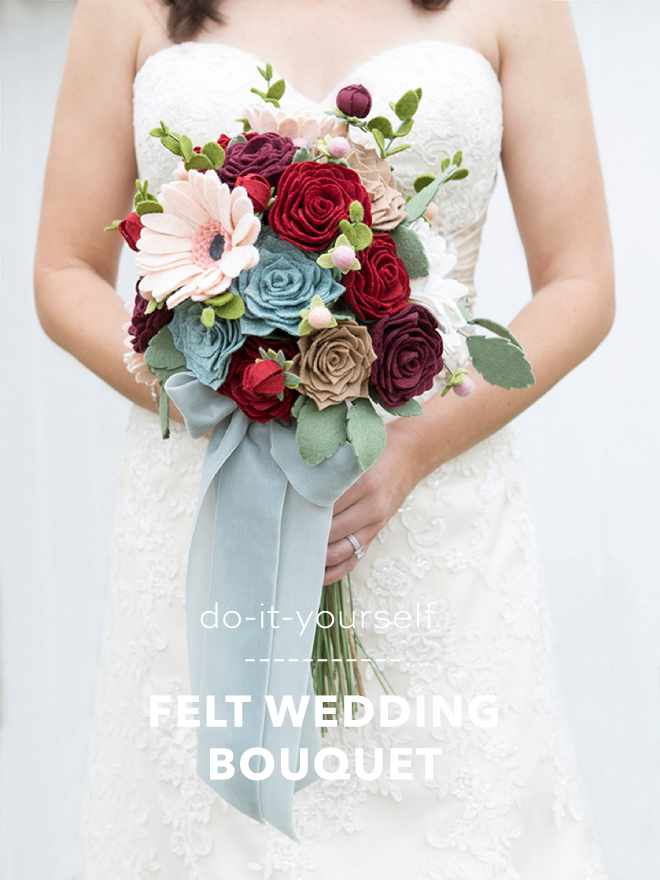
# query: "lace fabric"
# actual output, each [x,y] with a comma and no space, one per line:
[505,802]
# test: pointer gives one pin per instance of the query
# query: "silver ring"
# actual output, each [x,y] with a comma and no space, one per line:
[358,549]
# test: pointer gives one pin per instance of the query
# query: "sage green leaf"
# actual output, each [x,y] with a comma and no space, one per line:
[500,362]
[301,155]
[320,432]
[148,207]
[362,236]
[383,124]
[409,408]
[420,202]
[406,106]
[162,356]
[214,153]
[366,432]
[356,212]
[411,250]
[231,310]
[277,89]
[422,180]
[297,404]
[207,317]
[494,327]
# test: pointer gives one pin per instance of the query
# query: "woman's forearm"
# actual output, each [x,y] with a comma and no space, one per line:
[81,312]
[560,326]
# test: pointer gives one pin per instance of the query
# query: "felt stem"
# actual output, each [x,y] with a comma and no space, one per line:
[164,412]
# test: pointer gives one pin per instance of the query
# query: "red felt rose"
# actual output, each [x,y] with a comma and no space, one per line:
[311,200]
[131,228]
[408,351]
[257,188]
[263,377]
[381,285]
[258,406]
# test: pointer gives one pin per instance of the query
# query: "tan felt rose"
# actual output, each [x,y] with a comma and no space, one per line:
[387,203]
[334,364]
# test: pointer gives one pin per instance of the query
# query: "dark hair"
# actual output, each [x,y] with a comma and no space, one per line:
[188,16]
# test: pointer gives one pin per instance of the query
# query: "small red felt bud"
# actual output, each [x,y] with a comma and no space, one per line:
[131,228]
[264,377]
[257,188]
[354,100]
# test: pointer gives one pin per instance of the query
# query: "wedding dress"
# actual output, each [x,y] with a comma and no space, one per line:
[505,802]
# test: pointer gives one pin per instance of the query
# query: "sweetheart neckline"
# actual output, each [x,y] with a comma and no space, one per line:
[443,44]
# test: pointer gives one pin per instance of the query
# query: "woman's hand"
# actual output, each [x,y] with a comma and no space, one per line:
[365,508]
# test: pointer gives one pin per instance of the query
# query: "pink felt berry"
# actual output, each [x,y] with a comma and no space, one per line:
[343,257]
[466,387]
[319,317]
[338,147]
[431,211]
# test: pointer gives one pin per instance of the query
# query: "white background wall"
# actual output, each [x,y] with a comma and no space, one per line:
[591,449]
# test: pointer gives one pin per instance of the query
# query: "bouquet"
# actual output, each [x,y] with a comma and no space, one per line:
[286,283]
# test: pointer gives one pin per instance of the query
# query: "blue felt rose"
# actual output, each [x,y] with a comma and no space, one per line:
[281,284]
[207,350]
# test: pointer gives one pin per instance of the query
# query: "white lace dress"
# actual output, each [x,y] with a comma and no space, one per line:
[504,802]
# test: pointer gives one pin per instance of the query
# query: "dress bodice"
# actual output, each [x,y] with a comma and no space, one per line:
[201,88]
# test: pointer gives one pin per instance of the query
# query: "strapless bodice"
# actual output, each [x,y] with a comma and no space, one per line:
[201,88]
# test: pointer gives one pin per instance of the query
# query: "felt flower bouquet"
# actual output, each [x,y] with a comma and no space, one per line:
[284,271]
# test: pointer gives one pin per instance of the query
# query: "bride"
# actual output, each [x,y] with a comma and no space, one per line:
[443,514]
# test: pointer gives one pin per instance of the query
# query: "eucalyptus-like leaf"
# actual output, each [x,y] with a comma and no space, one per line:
[407,105]
[494,327]
[500,362]
[277,89]
[382,124]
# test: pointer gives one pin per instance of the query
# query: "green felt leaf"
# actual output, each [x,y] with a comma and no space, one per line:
[457,158]
[406,106]
[494,327]
[232,309]
[444,165]
[362,236]
[418,92]
[301,155]
[410,249]
[163,358]
[172,144]
[304,327]
[258,92]
[148,207]
[298,403]
[186,147]
[406,410]
[500,362]
[422,180]
[420,202]
[113,226]
[460,174]
[219,300]
[198,162]
[164,412]
[383,124]
[214,153]
[159,132]
[366,432]
[320,432]
[152,305]
[398,149]
[277,89]
[405,128]
[290,379]
[325,261]
[378,137]
[356,212]
[207,317]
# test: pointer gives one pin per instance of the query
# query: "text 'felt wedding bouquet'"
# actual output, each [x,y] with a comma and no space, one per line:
[289,294]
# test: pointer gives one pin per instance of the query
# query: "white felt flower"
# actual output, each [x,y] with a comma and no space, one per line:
[436,292]
[264,118]
[202,241]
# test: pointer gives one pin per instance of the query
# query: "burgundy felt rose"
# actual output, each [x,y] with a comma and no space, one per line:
[144,327]
[256,399]
[263,377]
[381,285]
[408,351]
[257,188]
[131,228]
[265,154]
[354,100]
[311,200]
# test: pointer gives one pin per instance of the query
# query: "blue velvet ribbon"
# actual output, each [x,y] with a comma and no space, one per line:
[259,542]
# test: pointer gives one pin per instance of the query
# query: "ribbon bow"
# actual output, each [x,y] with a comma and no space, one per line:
[258,543]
